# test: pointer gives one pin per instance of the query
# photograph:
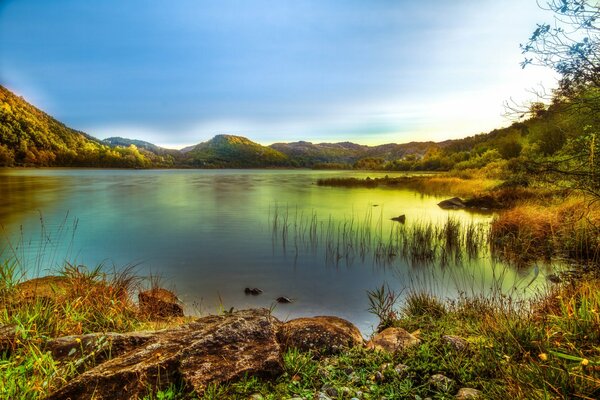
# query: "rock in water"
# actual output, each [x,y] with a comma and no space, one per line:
[325,335]
[212,349]
[284,300]
[400,218]
[253,291]
[452,204]
[160,303]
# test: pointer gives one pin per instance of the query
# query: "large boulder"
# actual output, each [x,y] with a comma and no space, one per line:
[95,348]
[211,349]
[323,334]
[160,303]
[392,340]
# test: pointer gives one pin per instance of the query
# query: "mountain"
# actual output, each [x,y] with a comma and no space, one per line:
[30,137]
[307,154]
[228,151]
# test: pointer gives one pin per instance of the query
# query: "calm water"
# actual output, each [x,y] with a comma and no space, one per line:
[209,234]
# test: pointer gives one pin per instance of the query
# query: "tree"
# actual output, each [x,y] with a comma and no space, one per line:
[570,45]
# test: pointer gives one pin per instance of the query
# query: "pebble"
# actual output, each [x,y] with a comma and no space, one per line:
[330,391]
[401,369]
[323,396]
[469,394]
[442,382]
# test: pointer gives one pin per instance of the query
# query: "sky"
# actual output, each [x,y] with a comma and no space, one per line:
[177,73]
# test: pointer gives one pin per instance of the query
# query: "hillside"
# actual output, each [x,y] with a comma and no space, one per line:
[228,151]
[30,137]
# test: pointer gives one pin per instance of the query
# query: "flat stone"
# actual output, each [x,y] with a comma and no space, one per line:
[213,349]
[392,340]
[469,394]
[323,334]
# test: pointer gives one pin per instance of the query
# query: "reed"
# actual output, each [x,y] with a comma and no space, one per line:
[367,237]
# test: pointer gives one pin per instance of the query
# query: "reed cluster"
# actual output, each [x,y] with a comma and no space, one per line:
[344,240]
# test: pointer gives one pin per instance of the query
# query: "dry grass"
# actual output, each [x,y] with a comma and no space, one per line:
[568,228]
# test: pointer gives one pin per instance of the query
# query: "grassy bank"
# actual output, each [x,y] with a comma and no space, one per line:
[73,301]
[547,348]
[543,348]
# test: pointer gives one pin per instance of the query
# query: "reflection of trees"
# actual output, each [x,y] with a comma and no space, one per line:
[23,194]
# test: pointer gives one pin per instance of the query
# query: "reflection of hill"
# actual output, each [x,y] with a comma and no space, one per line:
[23,194]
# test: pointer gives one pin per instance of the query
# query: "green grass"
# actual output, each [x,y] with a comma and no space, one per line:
[80,301]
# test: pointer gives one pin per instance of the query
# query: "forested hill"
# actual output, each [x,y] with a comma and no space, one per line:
[30,137]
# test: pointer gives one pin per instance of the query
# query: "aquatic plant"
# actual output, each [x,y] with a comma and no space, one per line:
[350,238]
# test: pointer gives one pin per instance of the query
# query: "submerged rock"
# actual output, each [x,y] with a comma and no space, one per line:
[324,334]
[392,340]
[212,349]
[160,303]
[452,204]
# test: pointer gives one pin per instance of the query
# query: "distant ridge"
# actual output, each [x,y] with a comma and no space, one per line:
[30,137]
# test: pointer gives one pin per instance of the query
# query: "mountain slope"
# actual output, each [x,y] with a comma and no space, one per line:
[30,137]
[228,151]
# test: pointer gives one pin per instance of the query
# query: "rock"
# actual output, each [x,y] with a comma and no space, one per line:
[213,349]
[256,396]
[160,303]
[253,291]
[469,394]
[284,300]
[96,347]
[47,288]
[400,218]
[392,340]
[401,369]
[8,338]
[325,335]
[322,396]
[330,391]
[442,383]
[456,342]
[452,204]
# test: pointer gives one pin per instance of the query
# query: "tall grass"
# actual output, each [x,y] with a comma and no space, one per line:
[566,229]
[347,239]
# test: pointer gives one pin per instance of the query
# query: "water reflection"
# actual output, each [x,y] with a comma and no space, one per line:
[210,235]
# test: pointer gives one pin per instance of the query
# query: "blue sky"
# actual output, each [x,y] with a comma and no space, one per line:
[177,73]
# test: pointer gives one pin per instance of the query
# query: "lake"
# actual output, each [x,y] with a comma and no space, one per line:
[208,234]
